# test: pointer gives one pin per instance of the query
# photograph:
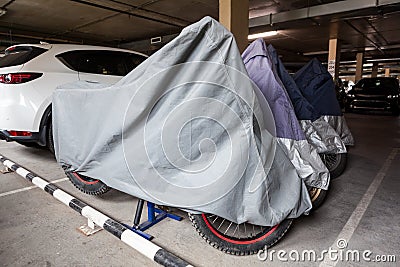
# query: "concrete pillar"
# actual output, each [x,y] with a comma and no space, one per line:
[334,58]
[359,66]
[374,72]
[387,72]
[234,15]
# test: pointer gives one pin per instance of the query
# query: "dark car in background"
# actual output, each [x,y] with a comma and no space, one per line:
[380,94]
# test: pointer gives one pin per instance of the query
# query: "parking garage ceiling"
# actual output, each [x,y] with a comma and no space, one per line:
[304,27]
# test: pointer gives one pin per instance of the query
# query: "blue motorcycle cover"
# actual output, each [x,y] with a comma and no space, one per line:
[317,86]
[319,133]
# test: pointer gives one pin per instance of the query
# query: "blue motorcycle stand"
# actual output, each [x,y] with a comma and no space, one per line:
[154,216]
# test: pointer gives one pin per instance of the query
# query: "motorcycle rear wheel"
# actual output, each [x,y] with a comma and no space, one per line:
[237,239]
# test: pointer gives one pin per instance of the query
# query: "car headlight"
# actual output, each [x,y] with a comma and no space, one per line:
[352,95]
[392,96]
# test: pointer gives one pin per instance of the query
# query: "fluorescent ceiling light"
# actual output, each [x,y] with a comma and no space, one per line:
[383,59]
[341,51]
[348,62]
[262,35]
[315,53]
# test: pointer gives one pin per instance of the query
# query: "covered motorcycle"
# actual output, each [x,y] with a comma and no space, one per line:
[185,129]
[319,133]
[318,87]
[289,134]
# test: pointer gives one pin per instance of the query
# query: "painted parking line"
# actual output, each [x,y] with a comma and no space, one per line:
[29,188]
[355,218]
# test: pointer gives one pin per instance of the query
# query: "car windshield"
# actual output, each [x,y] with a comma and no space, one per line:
[377,86]
[18,55]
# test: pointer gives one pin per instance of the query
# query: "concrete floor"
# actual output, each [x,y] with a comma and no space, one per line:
[38,230]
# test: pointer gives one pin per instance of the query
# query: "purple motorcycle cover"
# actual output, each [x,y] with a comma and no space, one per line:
[288,130]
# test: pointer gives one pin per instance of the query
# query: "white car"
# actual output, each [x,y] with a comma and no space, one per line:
[29,74]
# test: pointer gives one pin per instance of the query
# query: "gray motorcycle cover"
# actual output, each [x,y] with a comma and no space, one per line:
[185,129]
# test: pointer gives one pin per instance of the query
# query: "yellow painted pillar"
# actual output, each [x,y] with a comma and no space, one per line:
[387,72]
[234,15]
[334,58]
[374,72]
[359,66]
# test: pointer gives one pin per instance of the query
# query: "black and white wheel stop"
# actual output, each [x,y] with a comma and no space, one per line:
[142,245]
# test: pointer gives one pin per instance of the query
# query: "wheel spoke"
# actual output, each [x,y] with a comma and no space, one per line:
[242,231]
[236,228]
[228,228]
[221,224]
[216,219]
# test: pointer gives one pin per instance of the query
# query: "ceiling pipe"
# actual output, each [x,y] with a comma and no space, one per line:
[376,31]
[154,14]
[156,17]
[318,10]
[365,36]
[7,4]
[133,9]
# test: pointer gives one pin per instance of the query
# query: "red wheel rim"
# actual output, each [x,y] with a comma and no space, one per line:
[83,180]
[233,240]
